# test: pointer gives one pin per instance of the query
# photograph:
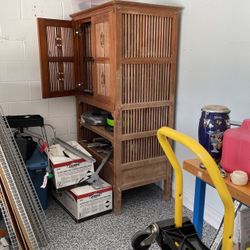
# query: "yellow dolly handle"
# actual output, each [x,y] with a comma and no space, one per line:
[213,171]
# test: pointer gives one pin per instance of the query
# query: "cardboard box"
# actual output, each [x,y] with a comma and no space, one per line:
[71,170]
[245,229]
[85,202]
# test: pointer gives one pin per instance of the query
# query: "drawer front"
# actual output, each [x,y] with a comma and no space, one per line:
[144,174]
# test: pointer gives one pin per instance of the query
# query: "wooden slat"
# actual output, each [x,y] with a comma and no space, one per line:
[140,164]
[138,182]
[146,104]
[60,59]
[144,174]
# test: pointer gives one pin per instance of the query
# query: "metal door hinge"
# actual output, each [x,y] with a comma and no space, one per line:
[77,32]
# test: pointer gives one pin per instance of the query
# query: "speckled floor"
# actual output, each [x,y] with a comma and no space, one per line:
[140,207]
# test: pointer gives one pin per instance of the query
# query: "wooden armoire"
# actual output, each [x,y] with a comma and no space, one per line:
[120,57]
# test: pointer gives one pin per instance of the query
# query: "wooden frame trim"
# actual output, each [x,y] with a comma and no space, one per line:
[121,5]
[138,135]
[150,60]
[146,105]
[137,164]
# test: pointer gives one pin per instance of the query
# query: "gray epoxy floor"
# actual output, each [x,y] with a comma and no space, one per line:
[140,207]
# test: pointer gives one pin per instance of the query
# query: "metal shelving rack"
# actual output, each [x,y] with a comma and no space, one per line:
[21,192]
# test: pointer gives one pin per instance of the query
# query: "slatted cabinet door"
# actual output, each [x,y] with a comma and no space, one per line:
[85,55]
[102,43]
[57,57]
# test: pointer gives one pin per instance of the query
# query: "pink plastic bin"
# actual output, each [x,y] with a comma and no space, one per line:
[236,148]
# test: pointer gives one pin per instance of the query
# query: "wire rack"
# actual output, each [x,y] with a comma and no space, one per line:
[22,187]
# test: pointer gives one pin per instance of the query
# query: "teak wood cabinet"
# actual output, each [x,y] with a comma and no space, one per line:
[120,57]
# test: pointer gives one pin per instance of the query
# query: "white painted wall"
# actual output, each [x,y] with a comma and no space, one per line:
[214,67]
[20,91]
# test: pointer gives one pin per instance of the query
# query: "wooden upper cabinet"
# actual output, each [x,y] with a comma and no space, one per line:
[76,57]
[56,40]
[116,52]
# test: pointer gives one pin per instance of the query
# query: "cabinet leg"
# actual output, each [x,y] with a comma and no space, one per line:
[117,201]
[167,190]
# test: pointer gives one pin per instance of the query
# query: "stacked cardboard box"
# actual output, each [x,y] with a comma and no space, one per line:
[69,169]
[81,202]
[86,202]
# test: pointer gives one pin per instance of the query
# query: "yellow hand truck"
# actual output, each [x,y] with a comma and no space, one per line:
[179,233]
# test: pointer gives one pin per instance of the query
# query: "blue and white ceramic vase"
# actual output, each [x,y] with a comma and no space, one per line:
[213,122]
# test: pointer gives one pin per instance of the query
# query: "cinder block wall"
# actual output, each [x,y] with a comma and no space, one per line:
[20,91]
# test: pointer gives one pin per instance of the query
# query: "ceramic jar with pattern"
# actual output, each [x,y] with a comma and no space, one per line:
[213,122]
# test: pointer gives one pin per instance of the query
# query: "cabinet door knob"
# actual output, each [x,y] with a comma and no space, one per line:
[60,76]
[58,41]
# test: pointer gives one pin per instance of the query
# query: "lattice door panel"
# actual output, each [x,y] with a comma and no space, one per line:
[144,119]
[57,57]
[60,42]
[140,149]
[145,83]
[61,76]
[146,36]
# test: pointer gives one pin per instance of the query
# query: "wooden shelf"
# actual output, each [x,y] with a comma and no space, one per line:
[107,173]
[94,101]
[100,130]
[98,156]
